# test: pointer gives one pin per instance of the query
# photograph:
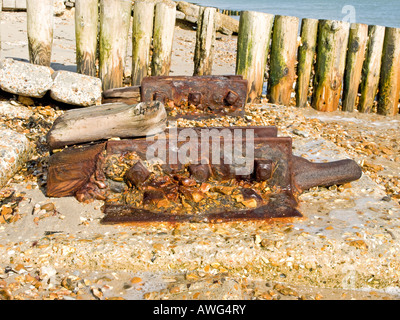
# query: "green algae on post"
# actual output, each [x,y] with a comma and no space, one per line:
[389,85]
[86,20]
[205,42]
[113,41]
[163,35]
[142,32]
[40,20]
[371,68]
[283,59]
[355,58]
[331,58]
[252,50]
[306,52]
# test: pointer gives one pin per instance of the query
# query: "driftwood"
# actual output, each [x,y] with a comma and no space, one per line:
[128,95]
[107,121]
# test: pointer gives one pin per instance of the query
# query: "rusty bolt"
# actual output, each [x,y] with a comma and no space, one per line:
[194,98]
[201,172]
[137,174]
[263,169]
[231,98]
[159,96]
[153,197]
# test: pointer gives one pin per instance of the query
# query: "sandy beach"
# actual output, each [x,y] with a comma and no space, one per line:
[345,247]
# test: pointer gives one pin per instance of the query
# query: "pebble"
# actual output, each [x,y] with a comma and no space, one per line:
[6,294]
[97,293]
[301,133]
[26,101]
[48,207]
[136,280]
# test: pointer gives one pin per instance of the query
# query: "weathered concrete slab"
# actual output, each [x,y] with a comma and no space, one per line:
[14,151]
[24,78]
[76,89]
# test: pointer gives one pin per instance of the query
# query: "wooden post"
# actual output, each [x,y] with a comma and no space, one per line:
[371,68]
[283,59]
[40,23]
[86,19]
[163,35]
[252,50]
[331,59]
[306,52]
[205,42]
[115,18]
[389,84]
[355,58]
[142,32]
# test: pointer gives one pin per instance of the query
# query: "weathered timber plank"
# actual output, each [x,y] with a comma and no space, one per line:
[331,59]
[283,59]
[355,59]
[389,85]
[142,32]
[107,121]
[205,42]
[128,95]
[115,20]
[40,23]
[86,20]
[306,52]
[371,68]
[252,50]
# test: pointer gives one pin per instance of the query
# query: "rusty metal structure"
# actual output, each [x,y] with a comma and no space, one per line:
[193,187]
[192,174]
[184,96]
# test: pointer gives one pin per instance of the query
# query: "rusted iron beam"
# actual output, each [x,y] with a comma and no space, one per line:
[186,96]
[212,94]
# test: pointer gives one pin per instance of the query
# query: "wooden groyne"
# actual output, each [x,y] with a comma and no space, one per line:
[329,65]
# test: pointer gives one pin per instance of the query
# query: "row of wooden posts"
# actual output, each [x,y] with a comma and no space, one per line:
[343,64]
[336,64]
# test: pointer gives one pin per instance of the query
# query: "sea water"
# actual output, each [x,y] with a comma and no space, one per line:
[373,12]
